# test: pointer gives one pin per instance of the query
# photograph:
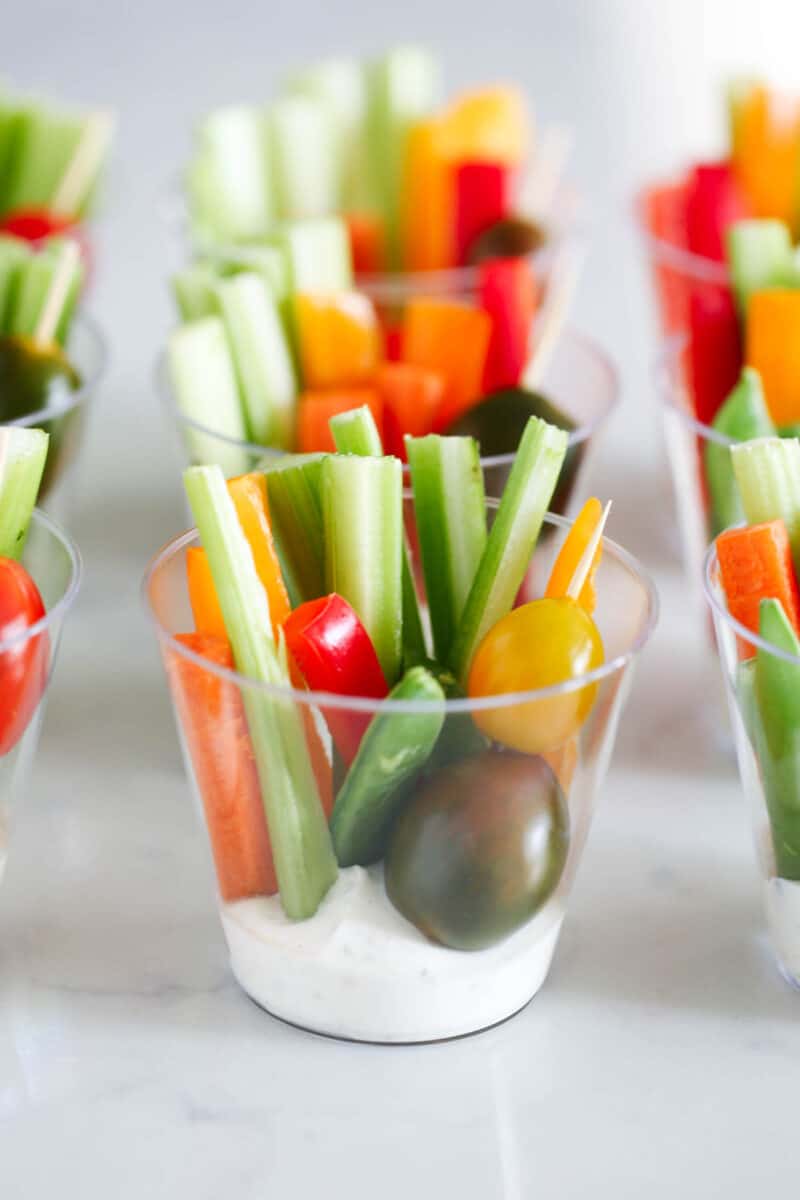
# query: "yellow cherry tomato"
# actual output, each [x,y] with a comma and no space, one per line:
[537,645]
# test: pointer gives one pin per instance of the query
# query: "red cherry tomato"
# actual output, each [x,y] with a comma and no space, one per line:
[23,665]
[34,224]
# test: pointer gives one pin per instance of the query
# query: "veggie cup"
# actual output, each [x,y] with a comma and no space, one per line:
[357,969]
[66,419]
[27,660]
[579,379]
[762,682]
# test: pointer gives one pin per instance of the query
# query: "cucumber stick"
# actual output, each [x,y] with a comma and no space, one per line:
[767,474]
[512,538]
[743,416]
[46,141]
[33,286]
[318,254]
[263,361]
[294,488]
[204,384]
[393,751]
[301,843]
[777,691]
[195,291]
[355,432]
[759,254]
[14,258]
[306,166]
[231,186]
[450,508]
[23,453]
[362,506]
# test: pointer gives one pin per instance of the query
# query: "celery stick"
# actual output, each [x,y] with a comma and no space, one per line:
[204,386]
[759,253]
[23,453]
[305,164]
[512,538]
[340,84]
[294,488]
[777,692]
[301,843]
[318,251]
[11,124]
[403,88]
[743,416]
[394,750]
[768,477]
[262,358]
[46,141]
[450,506]
[195,292]
[14,256]
[355,432]
[362,507]
[233,181]
[33,287]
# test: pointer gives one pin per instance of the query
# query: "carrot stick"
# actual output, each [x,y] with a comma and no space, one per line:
[215,732]
[571,552]
[202,594]
[249,495]
[412,396]
[315,410]
[773,348]
[756,564]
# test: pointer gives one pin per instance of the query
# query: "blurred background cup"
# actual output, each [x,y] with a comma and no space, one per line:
[578,754]
[579,381]
[66,418]
[767,737]
[53,562]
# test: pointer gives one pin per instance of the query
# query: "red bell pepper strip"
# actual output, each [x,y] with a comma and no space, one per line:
[713,202]
[334,653]
[663,211]
[715,348]
[482,198]
[34,224]
[23,665]
[507,291]
[367,242]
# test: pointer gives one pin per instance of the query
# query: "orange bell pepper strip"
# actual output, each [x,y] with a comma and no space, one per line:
[215,732]
[203,599]
[571,553]
[315,410]
[339,338]
[249,495]
[755,564]
[766,152]
[427,216]
[453,339]
[412,396]
[772,346]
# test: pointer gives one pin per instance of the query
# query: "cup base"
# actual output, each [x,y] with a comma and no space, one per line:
[782,904]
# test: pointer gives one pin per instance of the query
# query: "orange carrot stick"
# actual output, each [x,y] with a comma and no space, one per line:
[427,201]
[571,552]
[756,564]
[453,339]
[215,732]
[315,410]
[202,594]
[249,495]
[773,348]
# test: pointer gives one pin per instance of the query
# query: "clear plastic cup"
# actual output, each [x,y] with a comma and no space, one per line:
[54,563]
[579,379]
[358,969]
[767,741]
[66,420]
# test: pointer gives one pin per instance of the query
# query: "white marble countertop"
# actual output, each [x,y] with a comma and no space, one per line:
[661,1058]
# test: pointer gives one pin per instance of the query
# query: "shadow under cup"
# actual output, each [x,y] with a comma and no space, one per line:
[54,564]
[580,380]
[358,969]
[766,729]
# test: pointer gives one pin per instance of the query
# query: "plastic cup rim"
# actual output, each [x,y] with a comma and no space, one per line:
[698,266]
[721,611]
[65,601]
[576,437]
[329,700]
[664,374]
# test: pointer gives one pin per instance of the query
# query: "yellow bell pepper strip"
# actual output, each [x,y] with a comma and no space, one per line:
[249,495]
[426,201]
[451,338]
[773,349]
[208,619]
[571,553]
[339,338]
[487,123]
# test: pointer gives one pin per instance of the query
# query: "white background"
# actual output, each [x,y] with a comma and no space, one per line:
[663,1056]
